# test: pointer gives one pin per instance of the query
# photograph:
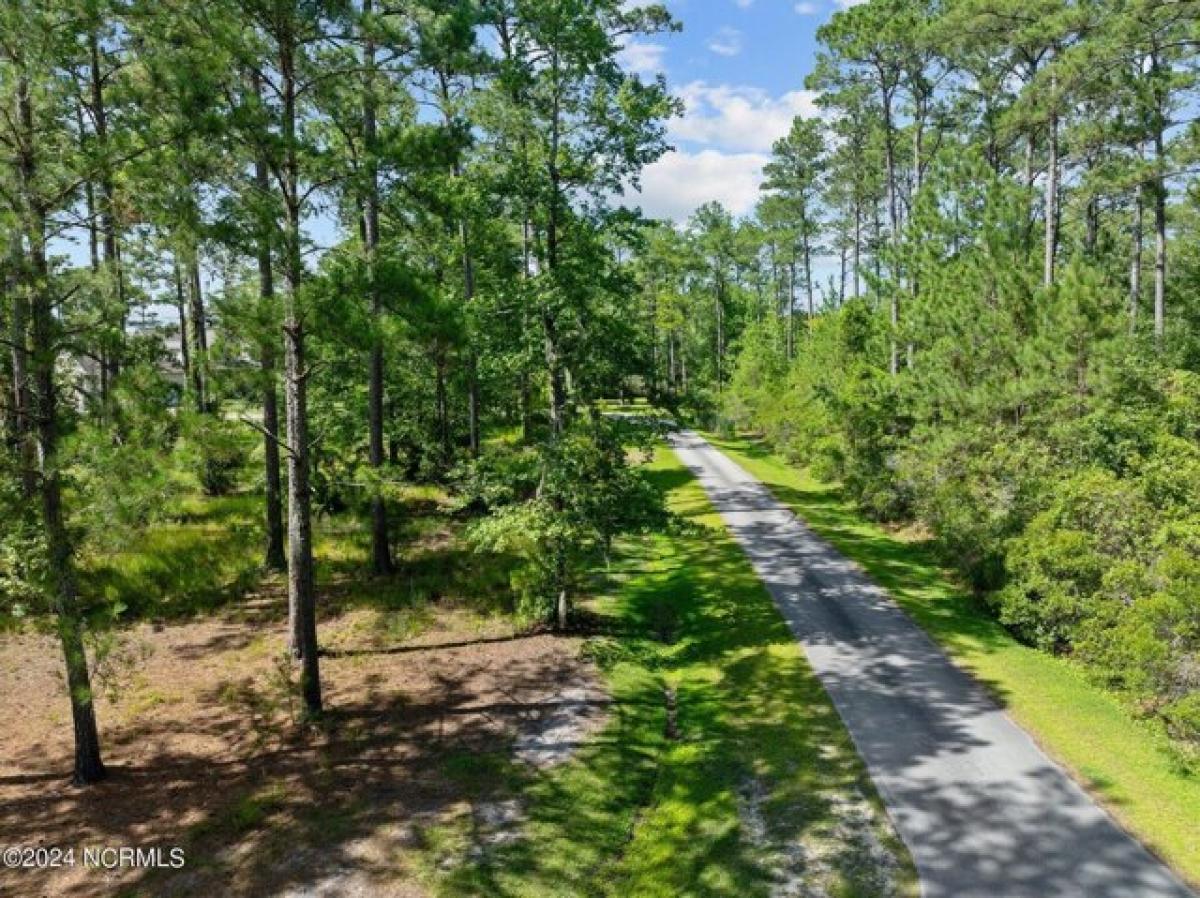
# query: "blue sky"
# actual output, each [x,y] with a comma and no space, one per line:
[739,66]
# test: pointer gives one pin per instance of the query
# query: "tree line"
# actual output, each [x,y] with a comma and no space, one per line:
[969,293]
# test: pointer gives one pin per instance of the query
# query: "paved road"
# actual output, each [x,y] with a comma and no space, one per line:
[985,813]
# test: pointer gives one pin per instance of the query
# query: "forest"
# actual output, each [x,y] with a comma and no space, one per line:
[324,318]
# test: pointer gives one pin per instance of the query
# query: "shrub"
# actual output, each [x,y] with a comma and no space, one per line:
[216,450]
[587,494]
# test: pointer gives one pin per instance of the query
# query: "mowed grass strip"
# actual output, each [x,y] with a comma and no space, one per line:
[762,788]
[1128,763]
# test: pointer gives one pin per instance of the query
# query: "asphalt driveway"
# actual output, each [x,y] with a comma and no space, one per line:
[982,809]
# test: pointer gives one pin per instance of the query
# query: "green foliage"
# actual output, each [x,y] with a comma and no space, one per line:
[119,469]
[586,494]
[1051,451]
[1147,777]
[22,550]
[215,449]
[1065,492]
[634,813]
[1069,555]
[205,553]
[500,477]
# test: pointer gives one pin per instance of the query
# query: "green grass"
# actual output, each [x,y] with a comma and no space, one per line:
[208,553]
[433,561]
[1128,763]
[634,813]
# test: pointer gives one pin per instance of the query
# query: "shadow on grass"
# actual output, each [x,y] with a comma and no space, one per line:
[423,647]
[208,558]
[911,571]
[209,555]
[432,560]
[640,814]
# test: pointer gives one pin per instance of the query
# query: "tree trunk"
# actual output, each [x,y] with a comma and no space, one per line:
[1030,191]
[301,583]
[779,288]
[791,314]
[181,308]
[558,389]
[554,368]
[443,405]
[381,553]
[1091,216]
[22,400]
[918,175]
[719,311]
[199,333]
[468,275]
[1051,202]
[857,244]
[108,211]
[808,283]
[672,378]
[1160,240]
[473,430]
[1029,151]
[553,356]
[473,436]
[89,194]
[918,165]
[841,274]
[526,408]
[1135,258]
[654,350]
[554,362]
[59,553]
[274,558]
[889,153]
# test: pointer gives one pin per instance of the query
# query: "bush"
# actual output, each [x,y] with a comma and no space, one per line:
[586,495]
[217,450]
[974,494]
[1072,555]
[874,426]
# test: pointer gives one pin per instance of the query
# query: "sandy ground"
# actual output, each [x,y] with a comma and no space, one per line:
[203,752]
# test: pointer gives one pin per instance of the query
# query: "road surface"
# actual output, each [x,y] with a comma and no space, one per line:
[982,809]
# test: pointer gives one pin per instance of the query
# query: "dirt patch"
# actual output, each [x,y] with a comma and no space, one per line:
[844,851]
[551,731]
[203,750]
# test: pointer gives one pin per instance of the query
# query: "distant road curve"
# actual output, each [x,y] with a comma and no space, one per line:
[982,809]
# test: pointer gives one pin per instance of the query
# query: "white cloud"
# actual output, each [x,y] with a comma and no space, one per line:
[643,58]
[679,182]
[727,132]
[726,42]
[743,4]
[805,8]
[737,118]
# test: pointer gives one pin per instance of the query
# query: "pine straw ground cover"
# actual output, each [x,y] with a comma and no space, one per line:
[204,751]
[459,757]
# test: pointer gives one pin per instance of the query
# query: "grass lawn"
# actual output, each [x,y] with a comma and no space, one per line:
[1126,762]
[207,554]
[762,787]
